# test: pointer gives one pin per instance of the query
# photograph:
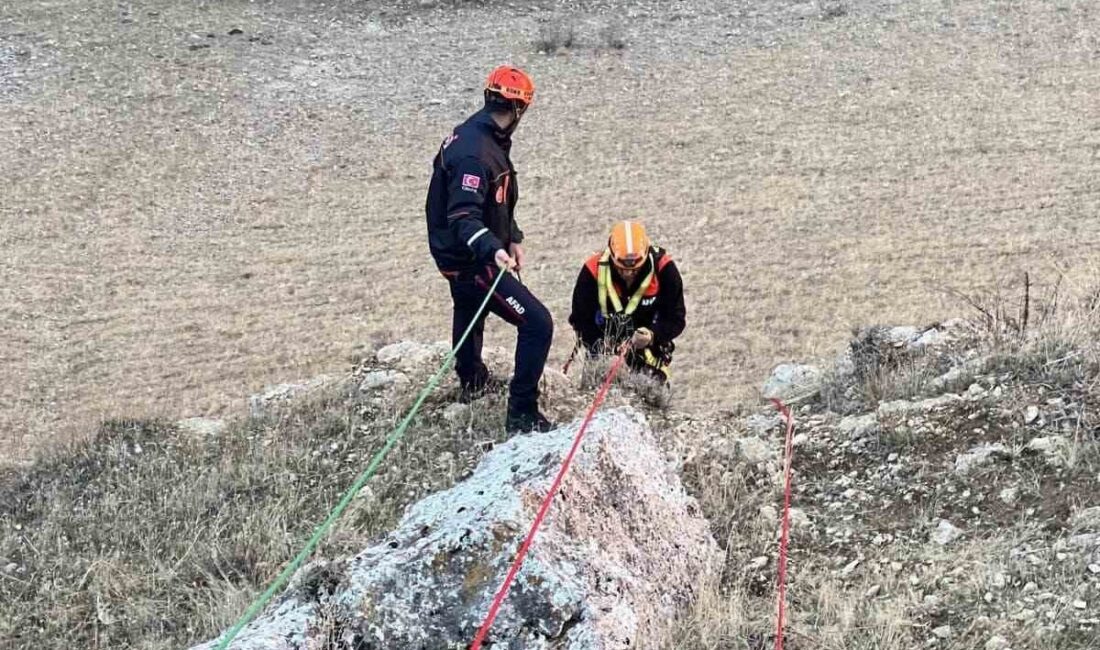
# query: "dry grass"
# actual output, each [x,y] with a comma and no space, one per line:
[148,537]
[186,218]
[975,586]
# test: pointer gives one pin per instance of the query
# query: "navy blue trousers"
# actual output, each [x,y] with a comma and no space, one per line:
[514,303]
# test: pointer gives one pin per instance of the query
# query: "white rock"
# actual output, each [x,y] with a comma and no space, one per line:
[257,404]
[901,335]
[755,450]
[943,632]
[931,338]
[858,426]
[945,533]
[202,426]
[979,456]
[999,580]
[758,563]
[1085,540]
[409,355]
[873,591]
[1031,415]
[1009,495]
[790,381]
[1055,450]
[1080,604]
[378,379]
[905,407]
[1094,568]
[769,515]
[762,424]
[996,643]
[613,570]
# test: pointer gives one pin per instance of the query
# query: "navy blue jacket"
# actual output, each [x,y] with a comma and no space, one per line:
[472,196]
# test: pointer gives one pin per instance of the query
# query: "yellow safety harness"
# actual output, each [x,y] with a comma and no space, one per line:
[607,292]
[609,300]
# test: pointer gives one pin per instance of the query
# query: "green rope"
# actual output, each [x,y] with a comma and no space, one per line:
[392,440]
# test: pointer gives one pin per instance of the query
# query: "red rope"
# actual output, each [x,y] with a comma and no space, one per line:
[498,600]
[785,537]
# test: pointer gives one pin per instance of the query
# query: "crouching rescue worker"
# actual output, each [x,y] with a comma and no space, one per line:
[631,292]
[473,237]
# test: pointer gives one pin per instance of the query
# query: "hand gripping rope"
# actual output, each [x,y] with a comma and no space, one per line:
[784,538]
[391,440]
[498,600]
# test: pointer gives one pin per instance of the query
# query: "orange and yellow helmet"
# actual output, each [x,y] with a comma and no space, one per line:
[512,84]
[628,244]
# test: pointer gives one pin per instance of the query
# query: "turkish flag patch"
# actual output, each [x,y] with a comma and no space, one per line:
[471,182]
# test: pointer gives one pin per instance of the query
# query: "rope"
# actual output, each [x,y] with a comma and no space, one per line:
[498,600]
[785,536]
[391,440]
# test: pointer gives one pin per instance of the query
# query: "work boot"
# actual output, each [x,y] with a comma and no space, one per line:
[527,421]
[475,391]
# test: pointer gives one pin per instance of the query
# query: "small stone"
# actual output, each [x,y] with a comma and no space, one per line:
[769,515]
[792,381]
[755,450]
[378,379]
[799,440]
[1031,415]
[999,580]
[201,426]
[978,457]
[892,458]
[945,533]
[758,563]
[942,632]
[996,643]
[11,567]
[849,568]
[1080,604]
[1030,588]
[1094,568]
[873,592]
[1009,496]
[1054,449]
[988,597]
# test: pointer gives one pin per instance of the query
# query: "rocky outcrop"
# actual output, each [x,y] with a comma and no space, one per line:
[623,549]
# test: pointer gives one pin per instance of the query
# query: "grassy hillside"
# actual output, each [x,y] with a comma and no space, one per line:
[151,534]
[204,198]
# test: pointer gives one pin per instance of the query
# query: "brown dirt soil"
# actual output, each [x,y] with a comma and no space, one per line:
[188,214]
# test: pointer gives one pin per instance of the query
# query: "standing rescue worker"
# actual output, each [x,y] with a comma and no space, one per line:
[473,236]
[632,291]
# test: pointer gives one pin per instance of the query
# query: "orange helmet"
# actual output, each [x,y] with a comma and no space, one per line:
[512,84]
[628,244]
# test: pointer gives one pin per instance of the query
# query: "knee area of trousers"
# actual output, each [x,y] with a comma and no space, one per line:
[540,321]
